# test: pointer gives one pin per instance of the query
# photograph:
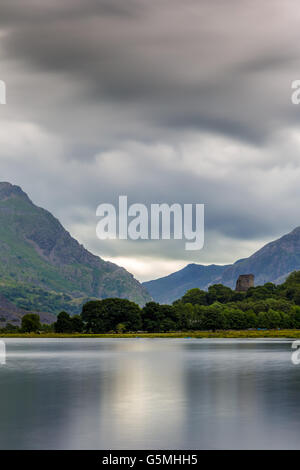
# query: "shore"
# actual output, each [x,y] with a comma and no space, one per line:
[186,334]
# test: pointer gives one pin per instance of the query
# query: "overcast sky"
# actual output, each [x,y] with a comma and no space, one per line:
[161,100]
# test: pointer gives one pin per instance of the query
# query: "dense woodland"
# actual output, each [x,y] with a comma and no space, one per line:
[220,308]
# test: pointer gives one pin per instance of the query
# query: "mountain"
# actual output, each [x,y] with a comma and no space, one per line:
[42,268]
[272,263]
[10,313]
[167,289]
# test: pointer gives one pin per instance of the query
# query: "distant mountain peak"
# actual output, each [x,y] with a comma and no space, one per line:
[171,287]
[8,190]
[271,263]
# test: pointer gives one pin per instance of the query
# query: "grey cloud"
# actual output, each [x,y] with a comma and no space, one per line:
[27,12]
[168,68]
[111,94]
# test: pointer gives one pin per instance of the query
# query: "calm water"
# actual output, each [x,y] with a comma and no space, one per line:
[151,394]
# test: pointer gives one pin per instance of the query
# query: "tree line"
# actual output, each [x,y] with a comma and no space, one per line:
[219,308]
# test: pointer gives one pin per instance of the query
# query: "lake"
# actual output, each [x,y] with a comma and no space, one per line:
[149,394]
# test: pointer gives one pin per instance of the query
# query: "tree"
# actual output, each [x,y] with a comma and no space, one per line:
[262,320]
[236,319]
[151,317]
[214,318]
[195,296]
[77,324]
[286,320]
[251,319]
[30,323]
[261,292]
[160,318]
[169,318]
[63,323]
[219,293]
[295,317]
[188,316]
[101,316]
[92,317]
[293,280]
[274,319]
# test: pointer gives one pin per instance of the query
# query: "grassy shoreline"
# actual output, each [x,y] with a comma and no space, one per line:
[186,334]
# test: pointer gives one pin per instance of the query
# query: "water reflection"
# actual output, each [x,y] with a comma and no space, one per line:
[101,394]
[2,353]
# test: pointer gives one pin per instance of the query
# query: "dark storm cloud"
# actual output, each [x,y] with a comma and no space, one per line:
[27,12]
[178,70]
[166,101]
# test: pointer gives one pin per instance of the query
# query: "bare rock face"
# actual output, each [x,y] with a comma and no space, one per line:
[244,282]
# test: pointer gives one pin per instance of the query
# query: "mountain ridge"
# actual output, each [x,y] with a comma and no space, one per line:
[39,256]
[176,284]
[271,263]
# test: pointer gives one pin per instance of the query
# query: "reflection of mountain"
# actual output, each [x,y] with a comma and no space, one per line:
[43,268]
[149,394]
[272,263]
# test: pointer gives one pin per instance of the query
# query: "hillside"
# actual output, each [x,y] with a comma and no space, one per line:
[167,289]
[272,263]
[43,268]
[9,313]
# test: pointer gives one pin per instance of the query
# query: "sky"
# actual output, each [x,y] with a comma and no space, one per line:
[163,101]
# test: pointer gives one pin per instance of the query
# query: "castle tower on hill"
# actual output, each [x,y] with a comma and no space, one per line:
[244,282]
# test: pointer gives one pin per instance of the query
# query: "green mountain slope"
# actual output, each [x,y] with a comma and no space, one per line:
[43,268]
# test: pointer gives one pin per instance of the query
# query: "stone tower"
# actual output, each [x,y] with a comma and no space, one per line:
[244,282]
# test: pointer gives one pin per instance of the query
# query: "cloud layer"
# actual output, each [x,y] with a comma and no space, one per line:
[163,101]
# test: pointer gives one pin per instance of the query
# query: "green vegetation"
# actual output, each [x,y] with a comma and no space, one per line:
[30,323]
[43,269]
[292,334]
[219,311]
[33,298]
[109,314]
[272,263]
[67,324]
